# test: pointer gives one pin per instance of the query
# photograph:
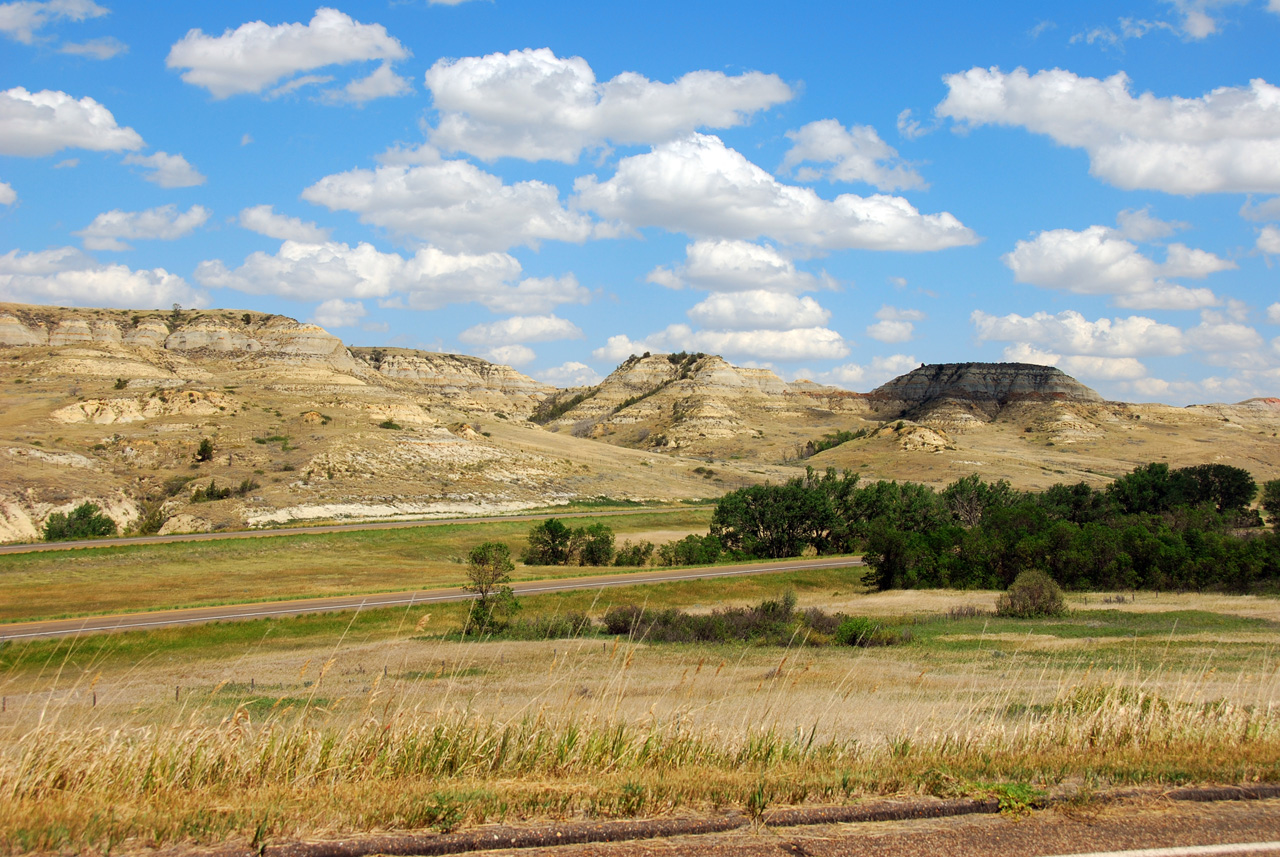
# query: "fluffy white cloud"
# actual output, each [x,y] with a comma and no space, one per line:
[1197,18]
[1269,240]
[382,83]
[864,377]
[167,170]
[111,229]
[1225,340]
[894,325]
[1071,333]
[571,374]
[98,49]
[816,343]
[428,280]
[534,105]
[452,204]
[33,124]
[1225,141]
[700,186]
[255,55]
[1261,211]
[310,271]
[854,154]
[21,20]
[535,294]
[737,266]
[511,355]
[758,310]
[336,312]
[264,220]
[526,328]
[8,196]
[1273,311]
[1137,224]
[68,277]
[1097,261]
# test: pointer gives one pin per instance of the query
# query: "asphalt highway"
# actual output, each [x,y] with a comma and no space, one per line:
[259,610]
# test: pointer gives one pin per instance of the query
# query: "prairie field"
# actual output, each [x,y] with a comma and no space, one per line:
[388,719]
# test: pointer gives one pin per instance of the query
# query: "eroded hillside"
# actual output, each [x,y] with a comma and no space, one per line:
[112,406]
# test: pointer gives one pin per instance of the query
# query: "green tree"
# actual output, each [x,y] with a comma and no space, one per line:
[969,498]
[1227,488]
[489,570]
[1271,501]
[204,452]
[85,521]
[592,545]
[549,543]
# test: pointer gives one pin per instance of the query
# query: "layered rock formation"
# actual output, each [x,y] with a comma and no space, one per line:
[974,391]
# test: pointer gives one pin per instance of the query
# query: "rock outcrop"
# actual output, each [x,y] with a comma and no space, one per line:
[974,391]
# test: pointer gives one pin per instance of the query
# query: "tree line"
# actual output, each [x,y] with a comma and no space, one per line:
[1154,528]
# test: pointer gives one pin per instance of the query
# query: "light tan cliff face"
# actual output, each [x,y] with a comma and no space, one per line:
[703,405]
[111,406]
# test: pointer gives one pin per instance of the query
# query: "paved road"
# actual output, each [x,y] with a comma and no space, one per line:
[326,528]
[200,615]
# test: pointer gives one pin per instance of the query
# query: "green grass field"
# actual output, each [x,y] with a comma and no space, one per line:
[191,574]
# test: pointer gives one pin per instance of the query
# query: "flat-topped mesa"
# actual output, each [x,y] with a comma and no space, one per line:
[984,388]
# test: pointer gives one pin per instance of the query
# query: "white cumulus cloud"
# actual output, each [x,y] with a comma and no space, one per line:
[816,343]
[527,328]
[894,324]
[700,186]
[22,20]
[1097,261]
[534,105]
[737,266]
[264,220]
[336,312]
[255,55]
[1225,141]
[571,374]
[167,170]
[452,204]
[8,196]
[68,277]
[111,229]
[382,83]
[428,280]
[1269,240]
[854,154]
[759,310]
[34,124]
[1069,332]
[511,355]
[867,376]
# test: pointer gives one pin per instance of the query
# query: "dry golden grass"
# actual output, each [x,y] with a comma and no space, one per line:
[343,734]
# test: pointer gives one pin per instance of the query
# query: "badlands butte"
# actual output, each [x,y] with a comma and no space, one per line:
[112,406]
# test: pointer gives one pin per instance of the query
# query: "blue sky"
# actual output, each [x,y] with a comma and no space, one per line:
[839,191]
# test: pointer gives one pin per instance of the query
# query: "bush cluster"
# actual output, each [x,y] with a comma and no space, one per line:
[85,521]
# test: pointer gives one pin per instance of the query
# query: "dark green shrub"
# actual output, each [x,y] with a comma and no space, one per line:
[1032,595]
[85,521]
